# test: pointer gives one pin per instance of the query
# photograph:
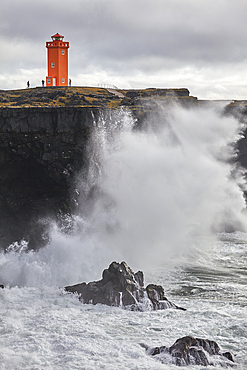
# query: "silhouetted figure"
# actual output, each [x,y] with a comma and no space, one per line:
[70,82]
[28,84]
[43,83]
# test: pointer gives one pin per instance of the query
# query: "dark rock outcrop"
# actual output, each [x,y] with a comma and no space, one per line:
[121,287]
[238,109]
[191,351]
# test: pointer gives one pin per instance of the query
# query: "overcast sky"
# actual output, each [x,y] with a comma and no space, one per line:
[197,44]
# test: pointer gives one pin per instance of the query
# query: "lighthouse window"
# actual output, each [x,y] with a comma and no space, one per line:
[53,65]
[48,80]
[62,52]
[63,80]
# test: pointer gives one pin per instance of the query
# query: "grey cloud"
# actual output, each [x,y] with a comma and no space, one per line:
[191,30]
[126,36]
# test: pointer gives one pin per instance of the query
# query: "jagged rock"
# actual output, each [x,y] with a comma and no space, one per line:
[121,287]
[191,351]
[1,286]
[157,296]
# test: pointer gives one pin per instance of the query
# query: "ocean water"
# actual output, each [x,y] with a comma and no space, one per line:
[168,202]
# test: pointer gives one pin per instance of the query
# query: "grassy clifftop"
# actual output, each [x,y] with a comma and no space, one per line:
[86,97]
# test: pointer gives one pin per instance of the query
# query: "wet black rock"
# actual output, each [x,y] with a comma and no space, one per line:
[191,351]
[42,150]
[121,287]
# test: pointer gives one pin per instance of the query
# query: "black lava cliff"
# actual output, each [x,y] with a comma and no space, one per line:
[41,150]
[44,136]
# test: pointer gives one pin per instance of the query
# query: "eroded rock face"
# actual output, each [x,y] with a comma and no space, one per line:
[41,152]
[191,351]
[121,287]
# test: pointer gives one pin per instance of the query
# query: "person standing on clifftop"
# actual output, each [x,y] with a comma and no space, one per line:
[28,84]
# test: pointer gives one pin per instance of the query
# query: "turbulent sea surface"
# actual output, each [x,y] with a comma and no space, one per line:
[164,198]
[41,328]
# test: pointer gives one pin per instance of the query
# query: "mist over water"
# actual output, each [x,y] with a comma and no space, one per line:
[160,186]
[167,181]
[148,194]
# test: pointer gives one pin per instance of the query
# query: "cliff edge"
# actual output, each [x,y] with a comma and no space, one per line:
[44,136]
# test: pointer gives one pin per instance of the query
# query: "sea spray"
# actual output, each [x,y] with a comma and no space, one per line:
[158,184]
[146,194]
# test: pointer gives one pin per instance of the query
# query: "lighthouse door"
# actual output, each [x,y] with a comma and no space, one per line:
[54,81]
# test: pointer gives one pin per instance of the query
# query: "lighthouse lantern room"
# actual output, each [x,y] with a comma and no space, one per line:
[57,61]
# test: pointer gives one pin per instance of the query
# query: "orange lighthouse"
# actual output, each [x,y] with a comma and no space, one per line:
[57,61]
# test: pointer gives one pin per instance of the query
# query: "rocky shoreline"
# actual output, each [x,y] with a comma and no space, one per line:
[121,287]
